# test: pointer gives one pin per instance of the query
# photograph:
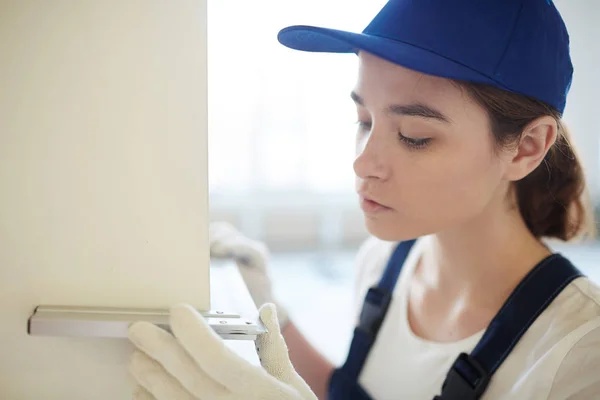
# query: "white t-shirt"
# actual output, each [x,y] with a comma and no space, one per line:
[557,358]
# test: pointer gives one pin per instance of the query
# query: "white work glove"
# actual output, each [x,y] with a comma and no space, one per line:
[194,362]
[252,258]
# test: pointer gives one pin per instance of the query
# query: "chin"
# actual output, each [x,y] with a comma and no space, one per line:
[391,232]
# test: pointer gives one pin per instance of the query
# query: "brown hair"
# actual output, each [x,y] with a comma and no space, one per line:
[552,199]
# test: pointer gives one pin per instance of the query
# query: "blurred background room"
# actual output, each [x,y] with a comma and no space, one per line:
[281,147]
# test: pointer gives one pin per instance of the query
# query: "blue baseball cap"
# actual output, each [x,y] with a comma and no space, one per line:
[521,46]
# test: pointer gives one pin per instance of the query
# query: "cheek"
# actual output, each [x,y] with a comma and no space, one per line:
[469,184]
[468,179]
[442,190]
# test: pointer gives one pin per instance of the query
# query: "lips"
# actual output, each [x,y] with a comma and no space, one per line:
[371,206]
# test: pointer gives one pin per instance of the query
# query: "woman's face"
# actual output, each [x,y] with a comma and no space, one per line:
[425,153]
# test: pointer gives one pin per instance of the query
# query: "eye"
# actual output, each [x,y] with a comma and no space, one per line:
[412,142]
[364,125]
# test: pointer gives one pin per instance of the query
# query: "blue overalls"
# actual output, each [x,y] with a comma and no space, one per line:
[471,373]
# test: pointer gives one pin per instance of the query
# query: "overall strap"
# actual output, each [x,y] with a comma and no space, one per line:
[375,306]
[394,266]
[470,374]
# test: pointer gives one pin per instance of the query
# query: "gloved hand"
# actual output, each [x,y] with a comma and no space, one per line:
[194,362]
[252,258]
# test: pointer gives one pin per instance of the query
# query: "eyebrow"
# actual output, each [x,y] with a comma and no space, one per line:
[412,110]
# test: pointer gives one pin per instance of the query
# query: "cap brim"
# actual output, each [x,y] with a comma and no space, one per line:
[326,40]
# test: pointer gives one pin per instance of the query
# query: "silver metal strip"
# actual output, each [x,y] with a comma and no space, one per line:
[113,322]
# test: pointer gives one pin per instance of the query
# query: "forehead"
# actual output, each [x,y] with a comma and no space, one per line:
[381,82]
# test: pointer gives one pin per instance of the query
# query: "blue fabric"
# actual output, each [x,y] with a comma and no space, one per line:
[470,374]
[344,381]
[517,45]
[392,271]
[527,301]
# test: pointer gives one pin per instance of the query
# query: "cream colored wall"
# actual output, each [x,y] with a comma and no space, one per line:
[581,113]
[103,178]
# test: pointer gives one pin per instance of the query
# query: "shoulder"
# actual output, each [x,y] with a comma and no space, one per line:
[559,355]
[577,376]
[372,257]
[572,340]
[369,263]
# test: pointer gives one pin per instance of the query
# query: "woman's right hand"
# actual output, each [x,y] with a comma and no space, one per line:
[252,258]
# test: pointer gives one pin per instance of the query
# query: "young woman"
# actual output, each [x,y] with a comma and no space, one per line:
[464,169]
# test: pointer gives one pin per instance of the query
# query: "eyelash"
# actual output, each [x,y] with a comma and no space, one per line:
[415,144]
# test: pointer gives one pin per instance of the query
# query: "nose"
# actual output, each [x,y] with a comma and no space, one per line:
[370,160]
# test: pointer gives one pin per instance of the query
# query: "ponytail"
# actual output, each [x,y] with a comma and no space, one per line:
[553,199]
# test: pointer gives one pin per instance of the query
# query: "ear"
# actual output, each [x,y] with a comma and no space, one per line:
[536,140]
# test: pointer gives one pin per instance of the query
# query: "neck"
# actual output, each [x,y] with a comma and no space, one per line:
[483,260]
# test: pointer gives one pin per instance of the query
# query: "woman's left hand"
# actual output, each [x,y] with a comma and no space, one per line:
[194,363]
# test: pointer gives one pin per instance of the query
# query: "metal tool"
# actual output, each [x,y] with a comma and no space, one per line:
[113,322]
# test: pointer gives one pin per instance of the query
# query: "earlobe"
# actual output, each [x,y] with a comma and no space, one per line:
[536,140]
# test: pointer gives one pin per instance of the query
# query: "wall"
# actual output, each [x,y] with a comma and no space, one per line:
[581,17]
[103,178]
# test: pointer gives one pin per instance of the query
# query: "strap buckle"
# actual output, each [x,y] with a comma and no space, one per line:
[466,380]
[373,310]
